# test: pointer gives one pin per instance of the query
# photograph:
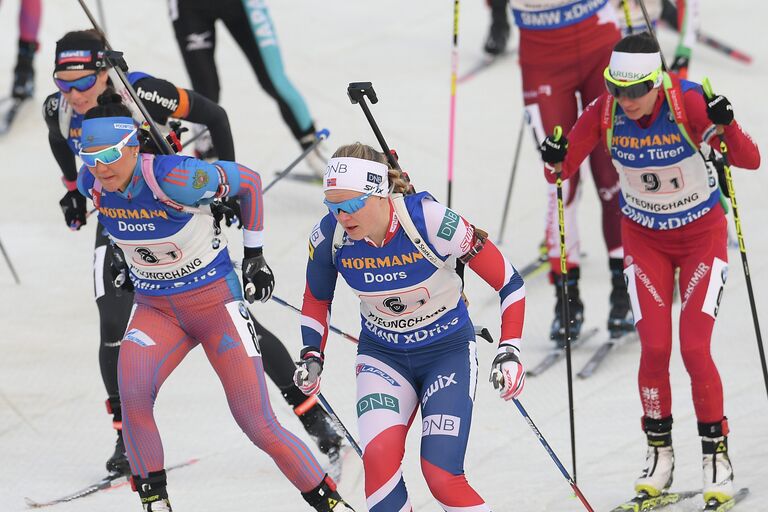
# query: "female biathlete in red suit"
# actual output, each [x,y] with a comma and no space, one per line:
[564,44]
[653,124]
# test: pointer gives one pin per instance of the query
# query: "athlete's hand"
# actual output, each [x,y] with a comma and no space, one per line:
[680,66]
[719,110]
[307,374]
[118,267]
[507,373]
[258,279]
[73,208]
[553,151]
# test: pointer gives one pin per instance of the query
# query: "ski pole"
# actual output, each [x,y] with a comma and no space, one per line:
[357,92]
[511,180]
[102,17]
[319,137]
[117,61]
[10,265]
[627,17]
[652,32]
[452,121]
[571,481]
[565,310]
[707,86]
[339,424]
[330,327]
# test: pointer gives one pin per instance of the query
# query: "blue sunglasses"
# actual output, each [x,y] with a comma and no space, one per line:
[108,155]
[82,84]
[349,206]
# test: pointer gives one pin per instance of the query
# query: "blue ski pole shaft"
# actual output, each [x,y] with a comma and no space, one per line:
[552,454]
[330,327]
[336,419]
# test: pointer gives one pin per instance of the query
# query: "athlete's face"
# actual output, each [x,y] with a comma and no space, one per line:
[83,101]
[639,107]
[372,220]
[117,175]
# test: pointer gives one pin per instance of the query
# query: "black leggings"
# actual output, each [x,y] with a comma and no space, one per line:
[194,25]
[115,310]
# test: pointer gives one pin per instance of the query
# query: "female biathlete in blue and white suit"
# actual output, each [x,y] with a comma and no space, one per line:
[186,293]
[417,345]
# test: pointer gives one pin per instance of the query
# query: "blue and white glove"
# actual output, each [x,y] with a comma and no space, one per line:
[307,374]
[507,372]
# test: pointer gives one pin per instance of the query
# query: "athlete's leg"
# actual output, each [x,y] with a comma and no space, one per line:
[24,71]
[550,101]
[29,20]
[195,31]
[152,347]
[447,391]
[650,276]
[386,406]
[252,28]
[114,311]
[703,271]
[220,320]
[279,367]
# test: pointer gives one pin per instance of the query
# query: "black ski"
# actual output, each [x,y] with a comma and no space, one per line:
[556,354]
[111,481]
[715,506]
[643,502]
[602,351]
[9,107]
[484,63]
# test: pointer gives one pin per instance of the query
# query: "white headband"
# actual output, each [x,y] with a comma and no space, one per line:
[629,67]
[347,173]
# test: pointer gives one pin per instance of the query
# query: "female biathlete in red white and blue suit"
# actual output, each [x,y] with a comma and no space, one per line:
[186,293]
[417,346]
[653,124]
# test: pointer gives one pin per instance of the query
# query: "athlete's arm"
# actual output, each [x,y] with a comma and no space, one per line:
[582,138]
[321,282]
[742,150]
[59,147]
[163,100]
[451,235]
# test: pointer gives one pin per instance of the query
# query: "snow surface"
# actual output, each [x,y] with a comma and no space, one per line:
[54,434]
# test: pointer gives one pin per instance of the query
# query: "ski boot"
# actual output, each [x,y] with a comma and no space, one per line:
[659,459]
[498,36]
[325,497]
[718,472]
[118,462]
[319,426]
[24,72]
[575,308]
[152,491]
[620,319]
[316,160]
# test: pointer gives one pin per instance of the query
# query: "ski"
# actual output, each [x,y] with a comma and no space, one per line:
[111,481]
[9,107]
[724,48]
[715,506]
[556,354]
[484,63]
[602,351]
[643,502]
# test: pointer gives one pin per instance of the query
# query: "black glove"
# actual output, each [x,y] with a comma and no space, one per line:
[118,267]
[147,143]
[73,208]
[719,110]
[680,66]
[258,279]
[228,210]
[553,151]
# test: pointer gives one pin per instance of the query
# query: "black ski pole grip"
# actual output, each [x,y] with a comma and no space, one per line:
[359,90]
